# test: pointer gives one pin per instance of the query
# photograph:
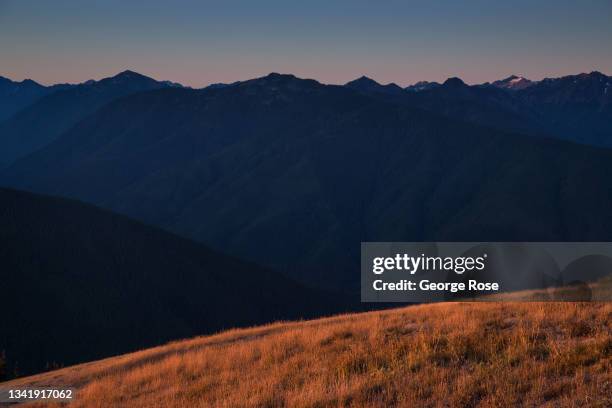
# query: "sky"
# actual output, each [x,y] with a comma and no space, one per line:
[201,42]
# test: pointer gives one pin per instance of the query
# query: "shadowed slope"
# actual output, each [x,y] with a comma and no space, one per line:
[80,283]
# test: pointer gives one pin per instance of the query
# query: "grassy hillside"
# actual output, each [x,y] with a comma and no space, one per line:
[453,354]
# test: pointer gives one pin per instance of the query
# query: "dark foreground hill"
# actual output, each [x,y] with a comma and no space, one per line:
[294,175]
[80,283]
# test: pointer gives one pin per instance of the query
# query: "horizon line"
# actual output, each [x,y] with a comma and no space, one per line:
[127,70]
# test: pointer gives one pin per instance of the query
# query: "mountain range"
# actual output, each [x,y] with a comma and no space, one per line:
[368,85]
[514,82]
[576,107]
[15,96]
[293,174]
[57,109]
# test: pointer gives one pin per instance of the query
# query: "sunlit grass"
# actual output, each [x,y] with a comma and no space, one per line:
[442,355]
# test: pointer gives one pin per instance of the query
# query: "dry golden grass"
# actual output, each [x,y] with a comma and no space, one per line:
[442,355]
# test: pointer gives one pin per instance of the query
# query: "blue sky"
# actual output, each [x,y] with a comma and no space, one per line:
[202,42]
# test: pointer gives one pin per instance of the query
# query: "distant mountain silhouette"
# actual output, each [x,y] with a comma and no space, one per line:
[220,85]
[483,105]
[15,96]
[575,107]
[43,121]
[294,174]
[365,84]
[513,83]
[80,283]
[422,86]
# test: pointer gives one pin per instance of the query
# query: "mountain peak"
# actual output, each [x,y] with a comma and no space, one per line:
[276,81]
[365,84]
[454,82]
[362,81]
[124,78]
[128,74]
[276,76]
[27,82]
[280,79]
[597,74]
[513,82]
[422,86]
